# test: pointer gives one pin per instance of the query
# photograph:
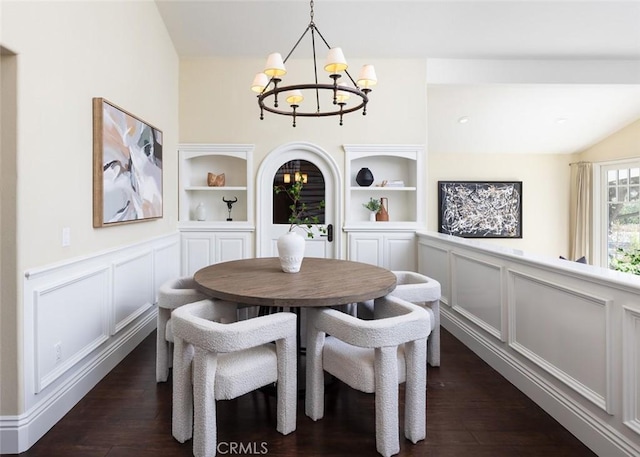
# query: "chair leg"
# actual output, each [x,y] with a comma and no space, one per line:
[182,408]
[205,439]
[415,425]
[162,346]
[314,395]
[386,379]
[287,387]
[433,349]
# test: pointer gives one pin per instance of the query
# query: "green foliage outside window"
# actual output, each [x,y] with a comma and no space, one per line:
[627,260]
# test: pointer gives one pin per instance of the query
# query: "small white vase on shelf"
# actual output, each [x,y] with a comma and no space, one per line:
[291,251]
[201,212]
[372,216]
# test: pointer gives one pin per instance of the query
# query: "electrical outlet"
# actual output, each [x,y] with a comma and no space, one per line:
[58,351]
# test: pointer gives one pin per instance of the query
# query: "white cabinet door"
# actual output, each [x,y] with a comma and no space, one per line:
[366,248]
[232,246]
[400,251]
[200,249]
[394,251]
[197,251]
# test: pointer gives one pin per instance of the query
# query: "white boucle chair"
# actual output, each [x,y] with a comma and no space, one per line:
[214,361]
[419,290]
[172,294]
[373,356]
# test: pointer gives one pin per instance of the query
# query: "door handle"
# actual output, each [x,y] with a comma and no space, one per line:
[329,234]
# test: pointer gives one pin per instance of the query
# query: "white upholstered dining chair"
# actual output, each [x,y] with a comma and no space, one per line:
[420,290]
[172,294]
[214,361]
[373,356]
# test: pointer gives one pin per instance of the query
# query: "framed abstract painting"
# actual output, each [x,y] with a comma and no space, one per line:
[480,209]
[127,167]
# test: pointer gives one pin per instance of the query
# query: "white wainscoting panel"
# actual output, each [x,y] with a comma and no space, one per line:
[631,368]
[543,316]
[477,293]
[572,332]
[166,265]
[133,292]
[71,320]
[434,263]
[81,317]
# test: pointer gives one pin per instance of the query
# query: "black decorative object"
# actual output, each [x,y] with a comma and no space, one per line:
[230,205]
[364,177]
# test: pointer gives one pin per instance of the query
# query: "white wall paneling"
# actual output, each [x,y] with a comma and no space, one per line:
[542,329]
[631,368]
[81,318]
[133,292]
[476,288]
[433,261]
[566,334]
[71,320]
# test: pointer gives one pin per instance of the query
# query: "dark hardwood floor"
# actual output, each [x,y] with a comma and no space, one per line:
[472,412]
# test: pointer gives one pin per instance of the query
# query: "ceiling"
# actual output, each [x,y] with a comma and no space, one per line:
[506,117]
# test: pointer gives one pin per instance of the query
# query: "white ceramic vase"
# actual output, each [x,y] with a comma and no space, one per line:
[372,216]
[291,251]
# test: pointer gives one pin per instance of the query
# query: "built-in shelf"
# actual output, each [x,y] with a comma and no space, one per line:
[401,163]
[196,161]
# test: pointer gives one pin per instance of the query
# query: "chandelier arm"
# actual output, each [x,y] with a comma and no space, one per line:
[315,64]
[297,43]
[329,47]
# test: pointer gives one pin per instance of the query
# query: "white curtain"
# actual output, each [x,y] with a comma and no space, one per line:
[581,210]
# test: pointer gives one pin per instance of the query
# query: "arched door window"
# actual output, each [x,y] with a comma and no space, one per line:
[313,190]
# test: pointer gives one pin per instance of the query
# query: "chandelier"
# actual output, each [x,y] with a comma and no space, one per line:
[267,84]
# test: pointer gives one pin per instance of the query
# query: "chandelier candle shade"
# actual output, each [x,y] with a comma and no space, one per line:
[336,100]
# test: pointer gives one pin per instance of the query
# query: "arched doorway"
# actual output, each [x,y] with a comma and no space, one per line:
[272,170]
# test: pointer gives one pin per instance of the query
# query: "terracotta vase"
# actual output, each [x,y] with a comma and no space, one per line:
[383,214]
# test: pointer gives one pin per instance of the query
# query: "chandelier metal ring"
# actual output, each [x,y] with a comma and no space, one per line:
[340,110]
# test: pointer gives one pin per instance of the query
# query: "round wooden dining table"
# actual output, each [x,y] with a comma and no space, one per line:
[320,282]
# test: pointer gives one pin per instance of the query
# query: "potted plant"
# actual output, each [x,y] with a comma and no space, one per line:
[373,206]
[291,245]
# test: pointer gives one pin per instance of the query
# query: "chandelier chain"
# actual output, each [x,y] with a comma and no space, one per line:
[311,11]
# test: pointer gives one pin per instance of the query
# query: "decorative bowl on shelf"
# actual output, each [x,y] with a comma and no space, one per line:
[214,180]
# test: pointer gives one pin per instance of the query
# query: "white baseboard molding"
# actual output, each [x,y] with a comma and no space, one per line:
[19,433]
[596,434]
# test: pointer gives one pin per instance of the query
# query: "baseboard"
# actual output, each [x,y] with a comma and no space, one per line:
[588,428]
[19,433]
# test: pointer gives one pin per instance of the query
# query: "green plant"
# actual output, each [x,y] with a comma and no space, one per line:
[372,205]
[627,260]
[300,216]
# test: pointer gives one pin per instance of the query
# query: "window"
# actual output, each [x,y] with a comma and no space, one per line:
[619,211]
[313,191]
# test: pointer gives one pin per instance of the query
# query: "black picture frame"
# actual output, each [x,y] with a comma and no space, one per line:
[480,209]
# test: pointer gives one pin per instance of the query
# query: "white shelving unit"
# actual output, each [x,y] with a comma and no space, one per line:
[390,244]
[215,239]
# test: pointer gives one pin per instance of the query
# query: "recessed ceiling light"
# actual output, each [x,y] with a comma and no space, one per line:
[463,120]
[561,120]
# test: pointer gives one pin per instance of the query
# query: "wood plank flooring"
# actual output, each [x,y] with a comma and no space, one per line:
[472,412]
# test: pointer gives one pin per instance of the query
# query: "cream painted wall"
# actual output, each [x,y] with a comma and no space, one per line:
[545,190]
[623,144]
[68,53]
[217,106]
